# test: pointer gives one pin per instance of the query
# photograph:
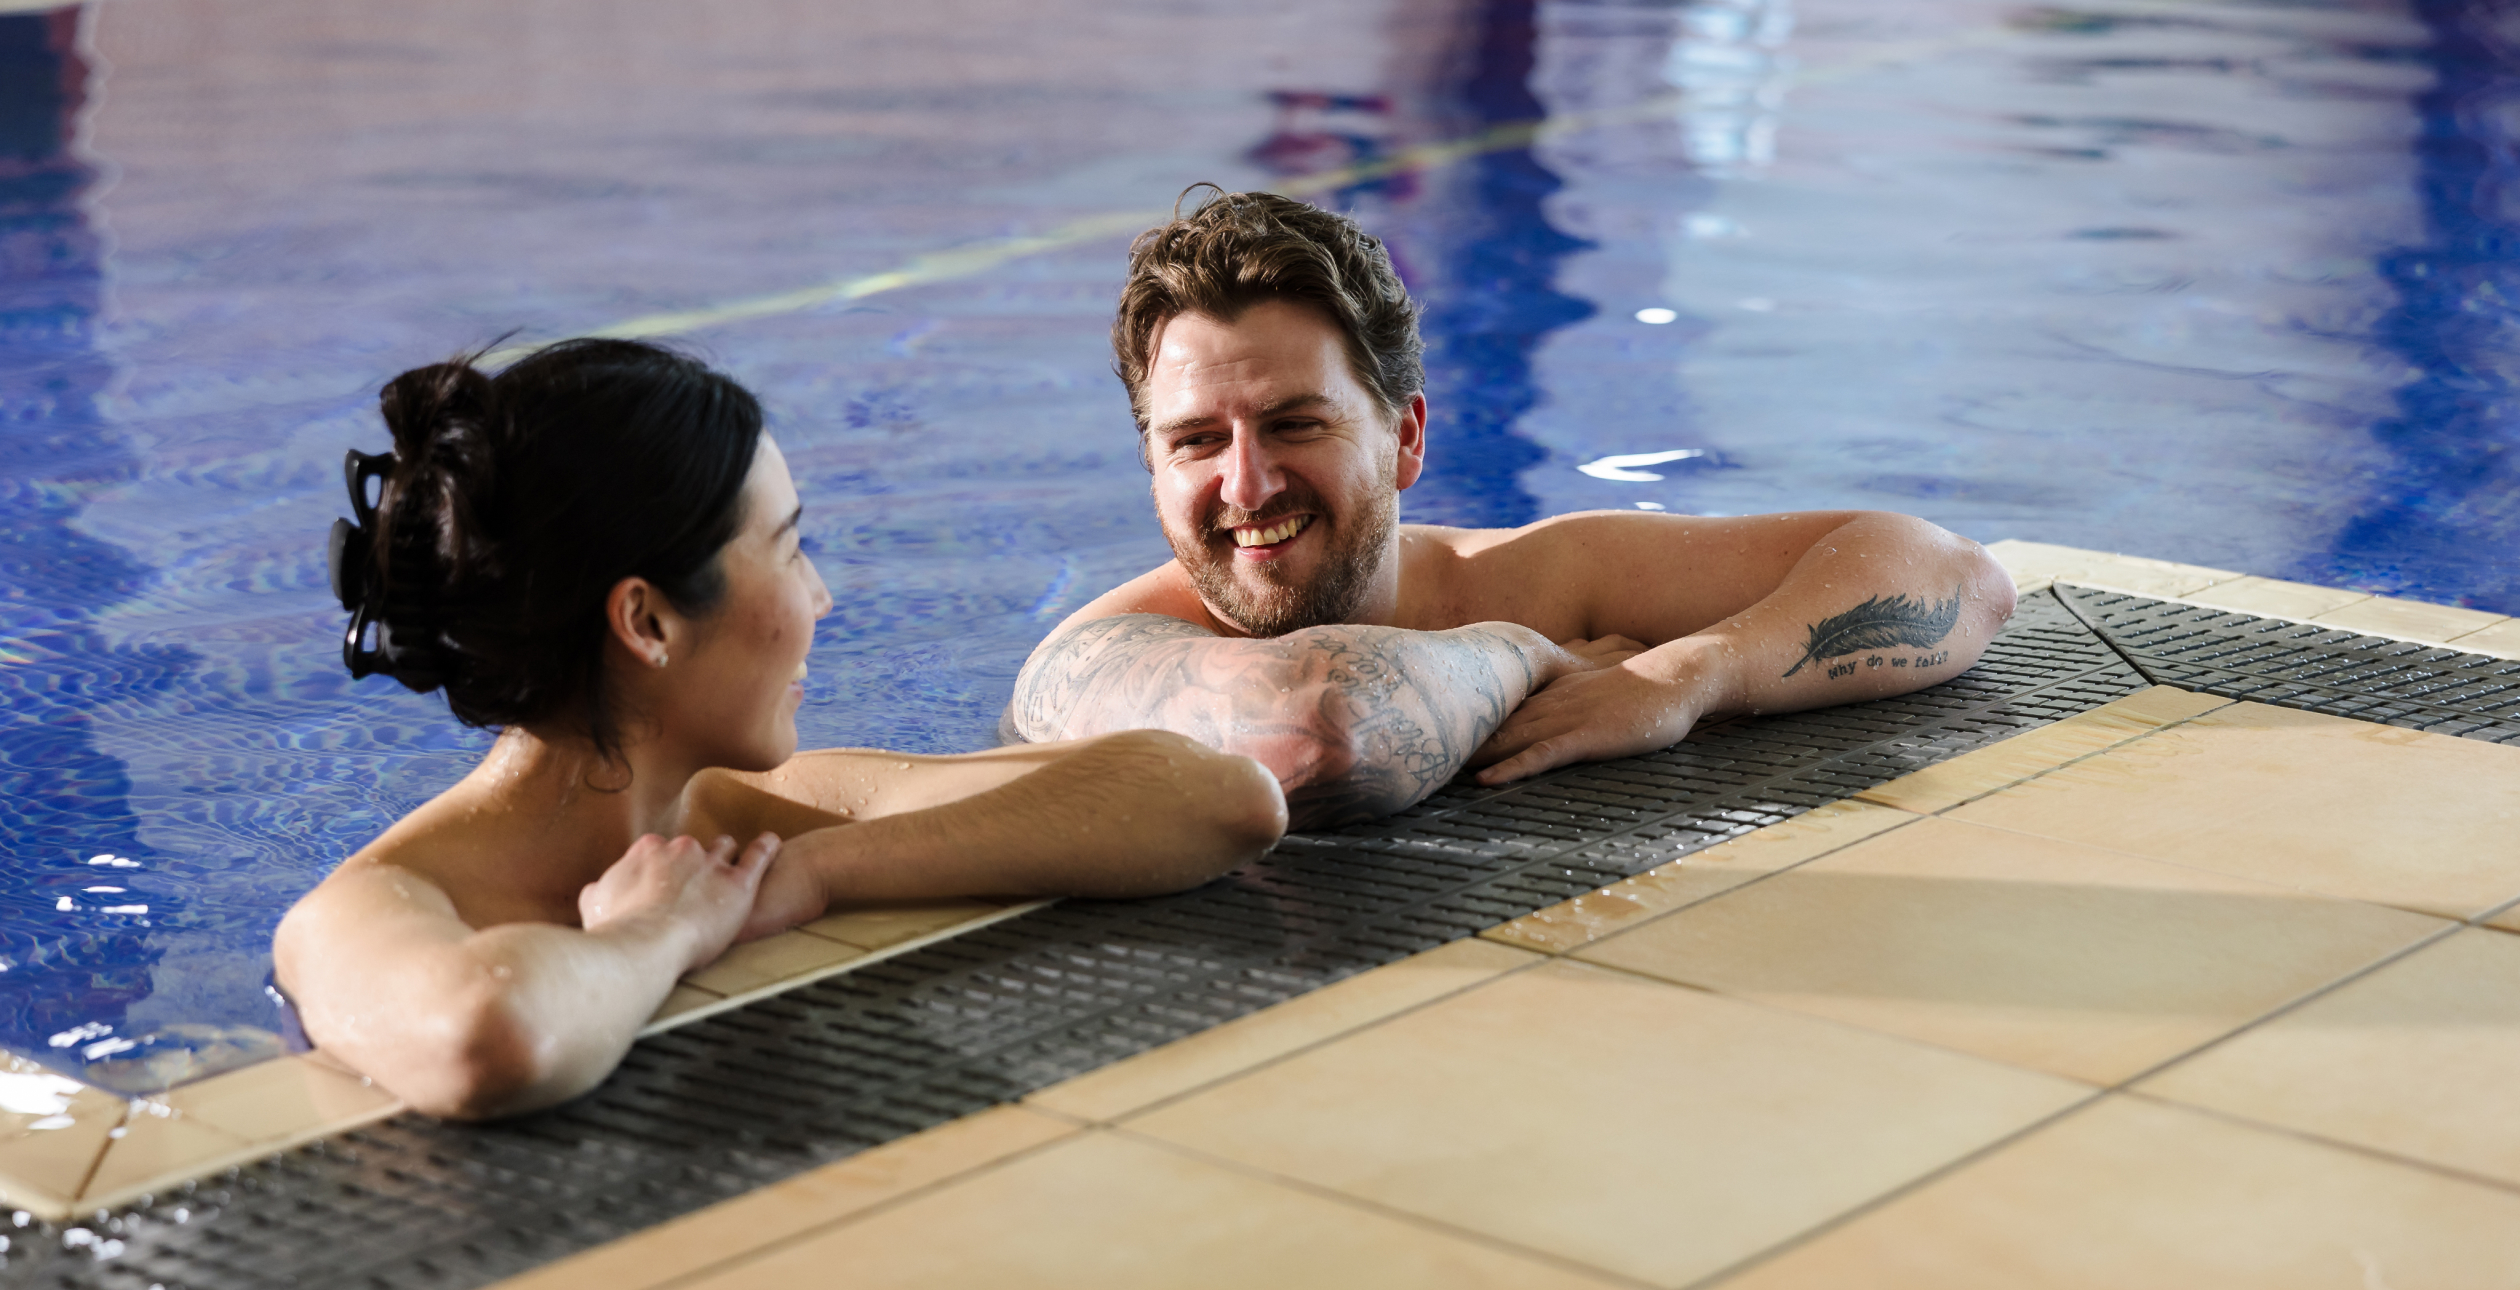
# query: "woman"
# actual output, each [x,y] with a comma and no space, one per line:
[595,551]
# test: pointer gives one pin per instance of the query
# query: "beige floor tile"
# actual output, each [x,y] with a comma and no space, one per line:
[2035,752]
[1692,878]
[2271,599]
[2131,1193]
[2410,620]
[2419,1058]
[771,960]
[2501,640]
[2038,563]
[2050,955]
[282,1101]
[781,1211]
[1656,1132]
[57,1144]
[875,927]
[157,1150]
[683,1000]
[1271,1033]
[2349,808]
[33,1093]
[1106,1213]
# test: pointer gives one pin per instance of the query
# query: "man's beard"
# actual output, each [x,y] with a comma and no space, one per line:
[1352,554]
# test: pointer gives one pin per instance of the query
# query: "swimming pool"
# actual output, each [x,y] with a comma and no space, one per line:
[2224,284]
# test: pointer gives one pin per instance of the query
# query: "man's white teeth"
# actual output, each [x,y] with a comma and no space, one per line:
[1277,532]
[800,672]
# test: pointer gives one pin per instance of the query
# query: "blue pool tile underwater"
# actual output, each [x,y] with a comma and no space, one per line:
[2228,285]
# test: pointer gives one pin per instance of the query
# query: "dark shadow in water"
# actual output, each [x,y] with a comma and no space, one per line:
[62,800]
[1495,298]
[2444,521]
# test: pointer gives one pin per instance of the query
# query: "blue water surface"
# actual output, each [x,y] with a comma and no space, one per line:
[2222,283]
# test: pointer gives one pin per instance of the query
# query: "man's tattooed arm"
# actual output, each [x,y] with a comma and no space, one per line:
[1893,628]
[1354,721]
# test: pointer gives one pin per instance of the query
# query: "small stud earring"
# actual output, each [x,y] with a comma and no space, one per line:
[659,660]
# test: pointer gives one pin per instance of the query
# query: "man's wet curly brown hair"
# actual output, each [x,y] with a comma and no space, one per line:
[1237,250]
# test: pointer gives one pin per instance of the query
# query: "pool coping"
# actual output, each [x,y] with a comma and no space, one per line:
[114,1150]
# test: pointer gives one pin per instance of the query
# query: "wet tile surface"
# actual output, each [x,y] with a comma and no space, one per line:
[2035,564]
[53,1145]
[2501,639]
[2418,1059]
[2410,620]
[2346,808]
[2135,1193]
[2035,752]
[818,1198]
[284,1099]
[2274,599]
[771,960]
[1301,1022]
[2050,955]
[1105,1212]
[1655,1132]
[1716,869]
[157,1149]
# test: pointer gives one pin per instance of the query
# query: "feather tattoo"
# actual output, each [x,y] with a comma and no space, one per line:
[1880,624]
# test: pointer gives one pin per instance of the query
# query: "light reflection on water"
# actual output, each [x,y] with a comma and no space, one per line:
[2087,279]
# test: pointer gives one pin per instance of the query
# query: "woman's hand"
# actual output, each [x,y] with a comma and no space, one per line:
[679,889]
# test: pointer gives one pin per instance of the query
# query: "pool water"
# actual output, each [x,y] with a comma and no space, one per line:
[2229,284]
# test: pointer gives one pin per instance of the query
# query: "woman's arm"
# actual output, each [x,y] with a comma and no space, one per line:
[471,1023]
[1131,814]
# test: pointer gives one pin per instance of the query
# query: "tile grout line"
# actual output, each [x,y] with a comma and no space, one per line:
[1660,915]
[2121,1088]
[2364,1150]
[737,1259]
[871,957]
[1914,815]
[1378,1208]
[2076,760]
[1538,960]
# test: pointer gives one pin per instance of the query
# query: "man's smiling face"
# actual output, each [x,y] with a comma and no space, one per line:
[1277,477]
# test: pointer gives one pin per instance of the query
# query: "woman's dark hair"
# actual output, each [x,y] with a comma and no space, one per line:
[513,505]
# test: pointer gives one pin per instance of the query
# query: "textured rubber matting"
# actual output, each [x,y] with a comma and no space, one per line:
[2305,665]
[762,1092]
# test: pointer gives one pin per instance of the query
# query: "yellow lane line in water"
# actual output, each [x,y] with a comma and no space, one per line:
[963,262]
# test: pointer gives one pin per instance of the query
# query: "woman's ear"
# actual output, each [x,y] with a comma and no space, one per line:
[637,613]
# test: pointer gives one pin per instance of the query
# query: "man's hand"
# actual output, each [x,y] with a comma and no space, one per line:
[1631,702]
[792,892]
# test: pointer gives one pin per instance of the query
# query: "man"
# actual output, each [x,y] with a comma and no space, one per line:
[1273,361]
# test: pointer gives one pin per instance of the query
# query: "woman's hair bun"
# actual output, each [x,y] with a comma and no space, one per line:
[514,503]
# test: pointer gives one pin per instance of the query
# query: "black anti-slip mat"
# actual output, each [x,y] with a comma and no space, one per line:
[762,1092]
[2303,665]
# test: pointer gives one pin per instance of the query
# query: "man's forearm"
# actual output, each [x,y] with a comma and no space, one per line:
[1354,721]
[1881,606]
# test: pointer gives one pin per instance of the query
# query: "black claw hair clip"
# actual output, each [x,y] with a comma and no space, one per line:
[355,581]
[353,559]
